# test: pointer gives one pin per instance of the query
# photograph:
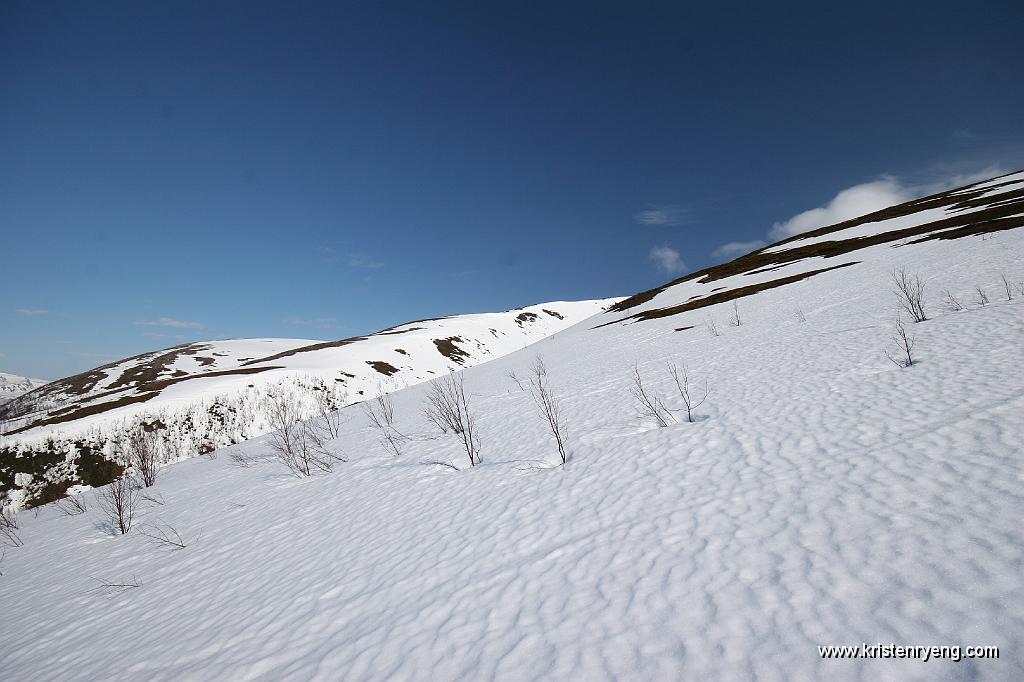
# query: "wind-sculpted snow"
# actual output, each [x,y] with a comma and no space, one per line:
[822,496]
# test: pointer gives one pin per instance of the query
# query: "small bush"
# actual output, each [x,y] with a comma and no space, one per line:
[909,290]
[119,501]
[548,404]
[447,404]
[904,343]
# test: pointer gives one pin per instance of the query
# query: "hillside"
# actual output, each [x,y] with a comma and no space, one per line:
[822,495]
[210,393]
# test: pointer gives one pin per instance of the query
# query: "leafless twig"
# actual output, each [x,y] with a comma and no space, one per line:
[548,404]
[735,321]
[142,450]
[443,464]
[681,377]
[904,342]
[447,403]
[1007,286]
[651,404]
[9,527]
[119,500]
[515,379]
[163,535]
[951,301]
[109,585]
[909,290]
[72,505]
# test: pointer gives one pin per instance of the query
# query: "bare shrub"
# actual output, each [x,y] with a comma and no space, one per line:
[119,501]
[735,320]
[909,290]
[439,463]
[298,443]
[239,458]
[1020,288]
[105,586]
[952,302]
[72,505]
[1006,286]
[9,528]
[799,315]
[164,535]
[380,410]
[547,403]
[651,404]
[712,327]
[328,402]
[691,402]
[393,440]
[447,401]
[982,296]
[905,344]
[515,379]
[142,449]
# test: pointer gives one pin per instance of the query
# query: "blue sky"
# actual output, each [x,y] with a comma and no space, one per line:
[180,171]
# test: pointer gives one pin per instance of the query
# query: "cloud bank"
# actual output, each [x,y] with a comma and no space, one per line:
[869,197]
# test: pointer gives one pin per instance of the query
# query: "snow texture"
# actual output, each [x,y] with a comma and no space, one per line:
[823,496]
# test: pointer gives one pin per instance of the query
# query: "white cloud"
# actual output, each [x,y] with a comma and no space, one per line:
[169,322]
[30,312]
[868,197]
[358,260]
[850,203]
[736,249]
[670,214]
[667,260]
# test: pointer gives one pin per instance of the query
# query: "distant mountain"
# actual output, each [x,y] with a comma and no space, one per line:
[12,386]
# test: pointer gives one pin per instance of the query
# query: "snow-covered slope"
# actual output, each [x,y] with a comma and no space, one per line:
[12,386]
[396,357]
[822,496]
[202,395]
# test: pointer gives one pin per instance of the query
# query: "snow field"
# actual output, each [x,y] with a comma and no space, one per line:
[825,496]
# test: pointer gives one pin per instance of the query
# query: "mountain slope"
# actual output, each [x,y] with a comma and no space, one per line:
[822,496]
[13,386]
[208,394]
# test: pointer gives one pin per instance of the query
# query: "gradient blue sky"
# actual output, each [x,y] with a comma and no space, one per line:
[173,171]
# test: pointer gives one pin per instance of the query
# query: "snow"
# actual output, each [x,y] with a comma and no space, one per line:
[823,496]
[12,386]
[482,336]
